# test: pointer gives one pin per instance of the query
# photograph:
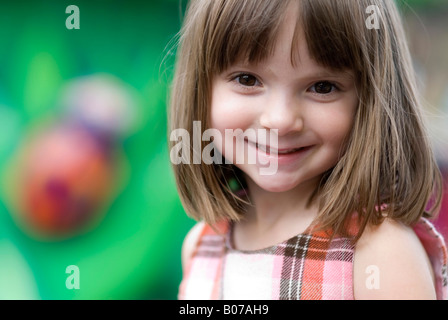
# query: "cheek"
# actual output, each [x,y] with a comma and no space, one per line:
[229,110]
[233,112]
[337,128]
[220,116]
[334,126]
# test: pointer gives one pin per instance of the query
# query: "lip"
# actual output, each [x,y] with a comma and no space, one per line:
[283,156]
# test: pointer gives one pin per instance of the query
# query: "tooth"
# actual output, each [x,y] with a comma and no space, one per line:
[263,148]
[289,151]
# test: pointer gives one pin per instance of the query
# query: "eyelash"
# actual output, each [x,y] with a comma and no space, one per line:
[333,90]
[234,78]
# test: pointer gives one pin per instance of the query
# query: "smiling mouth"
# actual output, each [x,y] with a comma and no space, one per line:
[268,150]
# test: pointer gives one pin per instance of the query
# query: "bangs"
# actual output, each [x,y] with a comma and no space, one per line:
[241,30]
[247,30]
[334,32]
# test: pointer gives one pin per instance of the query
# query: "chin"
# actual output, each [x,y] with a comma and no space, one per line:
[275,184]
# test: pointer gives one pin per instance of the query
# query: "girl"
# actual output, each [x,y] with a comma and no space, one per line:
[344,216]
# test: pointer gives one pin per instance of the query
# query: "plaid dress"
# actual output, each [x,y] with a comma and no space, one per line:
[306,267]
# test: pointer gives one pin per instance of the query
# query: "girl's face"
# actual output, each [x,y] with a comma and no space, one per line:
[312,108]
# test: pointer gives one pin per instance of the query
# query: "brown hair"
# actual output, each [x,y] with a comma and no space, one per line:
[388,158]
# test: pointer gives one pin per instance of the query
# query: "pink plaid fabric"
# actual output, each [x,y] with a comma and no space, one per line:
[306,267]
[435,247]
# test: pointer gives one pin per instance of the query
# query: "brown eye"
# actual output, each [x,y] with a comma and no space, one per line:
[323,87]
[247,80]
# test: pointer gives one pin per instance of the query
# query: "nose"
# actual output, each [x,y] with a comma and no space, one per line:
[283,113]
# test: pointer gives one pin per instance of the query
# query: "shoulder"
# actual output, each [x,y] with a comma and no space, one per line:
[190,243]
[391,263]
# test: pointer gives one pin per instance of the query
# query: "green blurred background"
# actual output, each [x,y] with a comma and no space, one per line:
[134,251]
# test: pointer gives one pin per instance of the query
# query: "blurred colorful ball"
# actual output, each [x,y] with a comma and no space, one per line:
[66,178]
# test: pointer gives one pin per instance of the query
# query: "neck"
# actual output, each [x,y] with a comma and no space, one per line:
[290,208]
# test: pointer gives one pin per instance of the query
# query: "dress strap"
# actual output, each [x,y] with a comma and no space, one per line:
[205,266]
[435,247]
